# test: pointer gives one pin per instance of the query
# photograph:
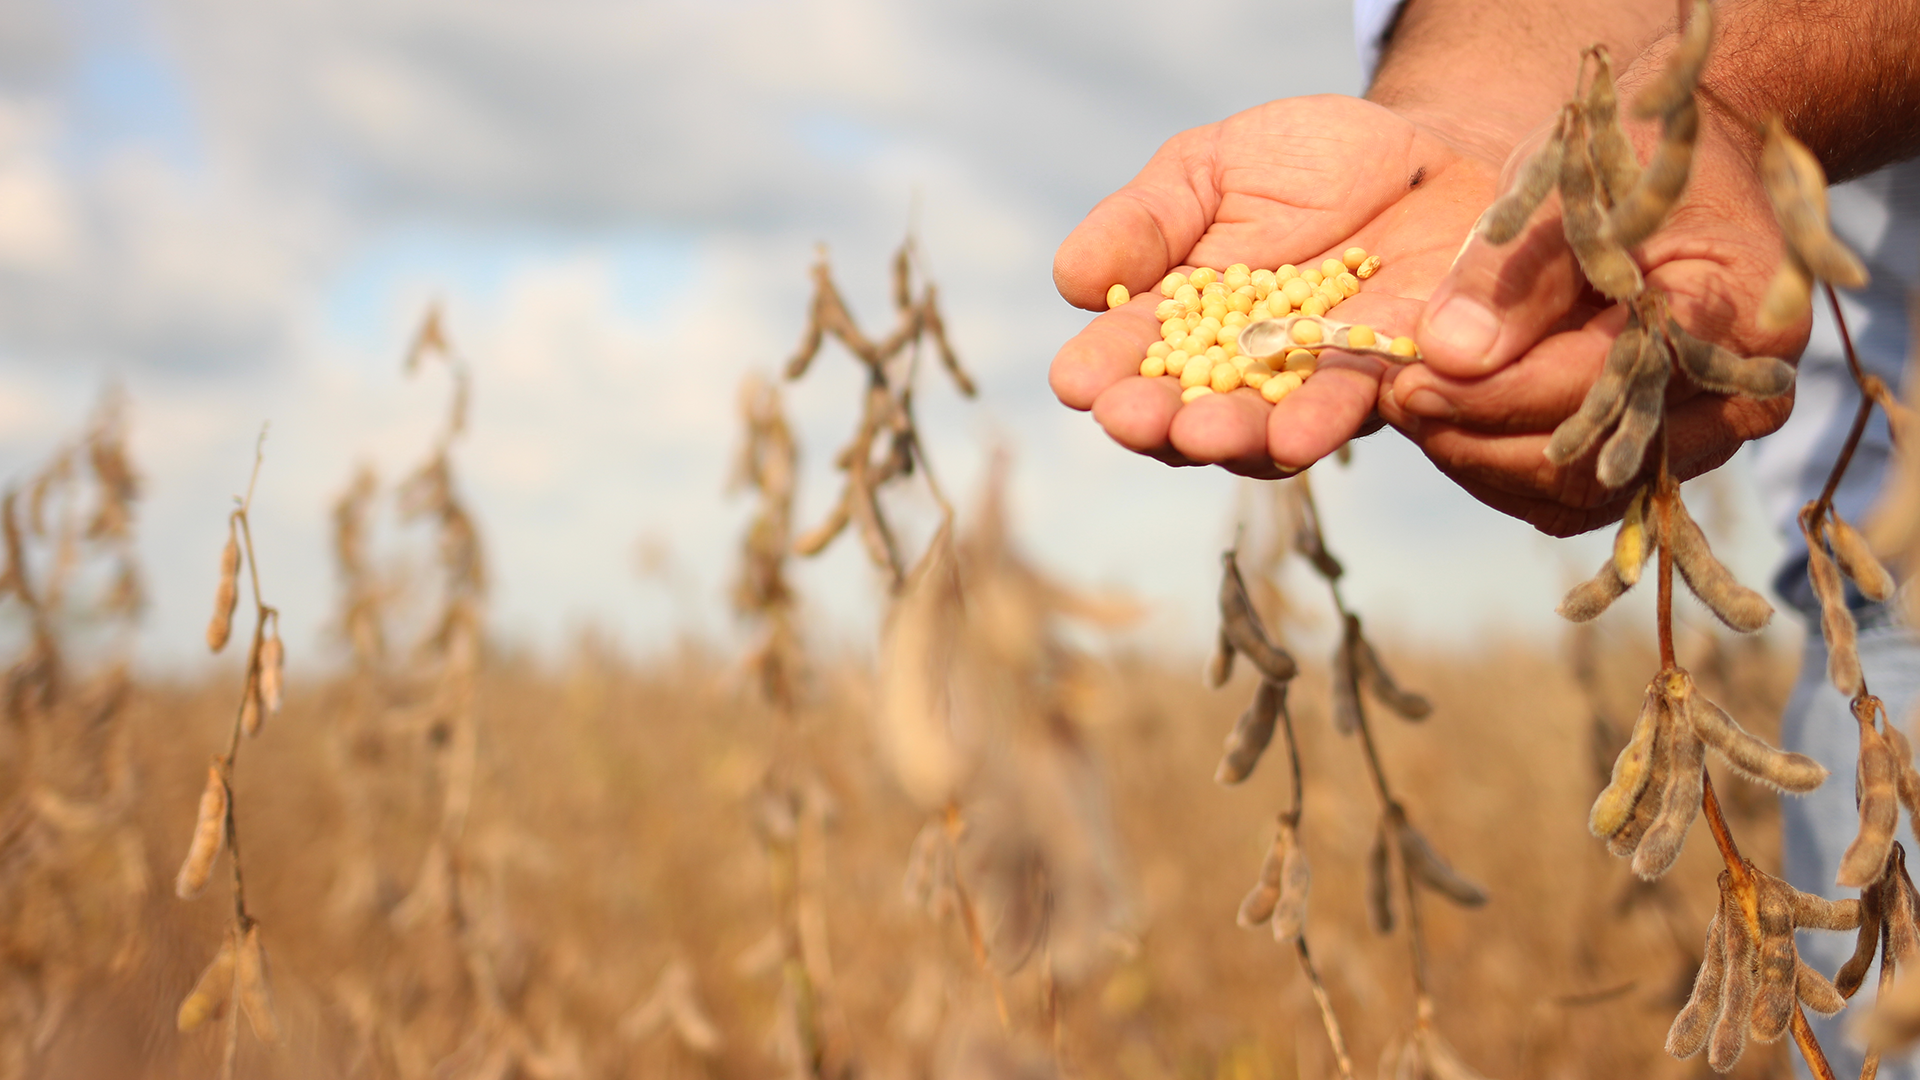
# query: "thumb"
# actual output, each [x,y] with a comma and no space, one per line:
[1496,302]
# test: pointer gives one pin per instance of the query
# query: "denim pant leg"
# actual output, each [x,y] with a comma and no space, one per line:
[1816,828]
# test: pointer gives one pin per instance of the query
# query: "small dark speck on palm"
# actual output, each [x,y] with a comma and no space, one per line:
[1419,174]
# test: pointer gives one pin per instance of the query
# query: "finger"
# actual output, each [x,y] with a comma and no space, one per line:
[1225,429]
[1138,413]
[1326,411]
[1497,301]
[1133,235]
[1109,349]
[1532,394]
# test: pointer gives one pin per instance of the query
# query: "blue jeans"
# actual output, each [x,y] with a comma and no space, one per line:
[1816,828]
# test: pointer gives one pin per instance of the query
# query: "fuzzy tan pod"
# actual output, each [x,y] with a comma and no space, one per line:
[1688,1035]
[1739,607]
[256,993]
[1751,756]
[1240,624]
[1541,174]
[209,833]
[1836,619]
[1641,211]
[1605,399]
[1680,805]
[1380,881]
[1673,87]
[1857,561]
[1631,771]
[1591,597]
[1605,262]
[1296,879]
[273,657]
[1251,733]
[211,992]
[1634,542]
[1405,704]
[1789,296]
[227,595]
[1875,787]
[1626,449]
[1797,187]
[1425,866]
[1724,372]
[1613,157]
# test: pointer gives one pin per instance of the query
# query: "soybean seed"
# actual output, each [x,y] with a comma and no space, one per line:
[1117,297]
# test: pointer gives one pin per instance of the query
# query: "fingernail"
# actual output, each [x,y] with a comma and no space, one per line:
[1427,405]
[1463,327]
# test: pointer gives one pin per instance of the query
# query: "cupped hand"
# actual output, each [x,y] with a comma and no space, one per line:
[1513,338]
[1291,181]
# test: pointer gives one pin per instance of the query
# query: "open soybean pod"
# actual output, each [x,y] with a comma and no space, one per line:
[1252,733]
[1734,604]
[1541,174]
[1688,1035]
[1630,771]
[1797,187]
[1723,372]
[1605,398]
[1856,559]
[1425,866]
[1751,756]
[1674,86]
[1613,156]
[1646,395]
[1405,703]
[1640,211]
[1874,785]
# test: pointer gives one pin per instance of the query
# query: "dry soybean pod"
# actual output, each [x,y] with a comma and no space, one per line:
[1346,680]
[1673,87]
[1690,1029]
[1594,595]
[1721,371]
[1380,881]
[1906,780]
[1630,772]
[1405,703]
[1815,991]
[1607,265]
[1426,866]
[1836,621]
[256,995]
[1646,809]
[1260,900]
[1242,625]
[1641,210]
[1737,991]
[1679,806]
[1541,174]
[1797,187]
[1296,880]
[1867,942]
[1251,734]
[209,833]
[1646,394]
[227,595]
[1856,559]
[1773,1003]
[1734,604]
[211,991]
[1613,156]
[1819,913]
[1866,857]
[1750,755]
[1220,668]
[1605,398]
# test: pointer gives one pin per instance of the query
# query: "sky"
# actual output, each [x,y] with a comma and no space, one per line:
[238,210]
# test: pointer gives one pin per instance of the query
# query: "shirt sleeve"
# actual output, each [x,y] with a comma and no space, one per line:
[1370,21]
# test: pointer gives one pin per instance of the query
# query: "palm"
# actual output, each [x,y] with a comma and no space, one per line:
[1286,182]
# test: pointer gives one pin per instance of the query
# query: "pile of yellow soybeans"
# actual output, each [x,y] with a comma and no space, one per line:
[1203,312]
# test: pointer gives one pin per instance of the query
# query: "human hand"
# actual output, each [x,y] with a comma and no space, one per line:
[1291,181]
[1513,338]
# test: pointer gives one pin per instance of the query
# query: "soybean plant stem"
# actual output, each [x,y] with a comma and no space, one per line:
[1341,1060]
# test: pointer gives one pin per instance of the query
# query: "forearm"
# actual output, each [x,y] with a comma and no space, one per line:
[1498,69]
[1842,75]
